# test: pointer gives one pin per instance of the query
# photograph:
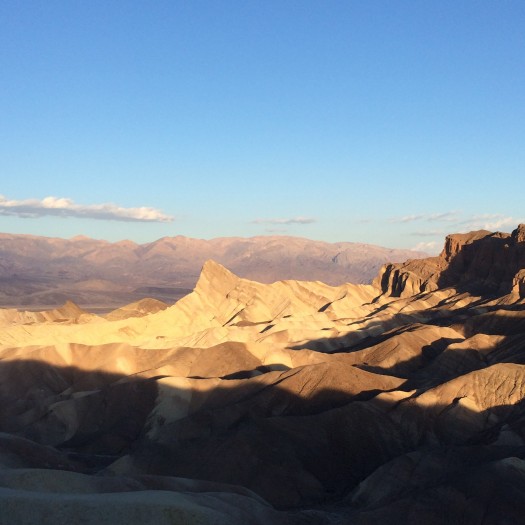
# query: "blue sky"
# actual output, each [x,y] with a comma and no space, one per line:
[391,123]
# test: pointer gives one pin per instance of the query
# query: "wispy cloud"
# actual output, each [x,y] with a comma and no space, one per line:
[431,247]
[462,222]
[64,207]
[458,222]
[407,218]
[429,233]
[449,216]
[490,221]
[292,220]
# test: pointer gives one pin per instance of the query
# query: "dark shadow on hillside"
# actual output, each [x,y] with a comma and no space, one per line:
[506,319]
[485,267]
[293,449]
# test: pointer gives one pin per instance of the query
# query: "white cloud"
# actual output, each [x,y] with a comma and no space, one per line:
[449,216]
[429,233]
[491,222]
[407,218]
[458,222]
[64,207]
[432,247]
[292,220]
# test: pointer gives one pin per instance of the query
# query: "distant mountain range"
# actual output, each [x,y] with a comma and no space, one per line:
[42,271]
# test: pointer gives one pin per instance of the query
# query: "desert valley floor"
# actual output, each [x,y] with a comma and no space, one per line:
[295,402]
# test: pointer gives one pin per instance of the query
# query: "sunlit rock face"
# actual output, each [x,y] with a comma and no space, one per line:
[292,402]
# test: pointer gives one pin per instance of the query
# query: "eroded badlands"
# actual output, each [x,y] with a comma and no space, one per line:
[291,402]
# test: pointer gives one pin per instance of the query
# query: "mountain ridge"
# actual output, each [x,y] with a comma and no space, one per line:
[38,271]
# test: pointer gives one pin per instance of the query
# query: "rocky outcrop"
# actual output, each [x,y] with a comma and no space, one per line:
[480,262]
[68,313]
[410,278]
[455,243]
[518,235]
[137,309]
[518,283]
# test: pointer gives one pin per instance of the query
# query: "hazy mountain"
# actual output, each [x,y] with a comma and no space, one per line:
[287,403]
[48,271]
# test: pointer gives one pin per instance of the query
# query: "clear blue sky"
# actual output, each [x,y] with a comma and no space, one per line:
[371,121]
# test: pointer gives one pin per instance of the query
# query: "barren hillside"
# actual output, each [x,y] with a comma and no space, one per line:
[292,402]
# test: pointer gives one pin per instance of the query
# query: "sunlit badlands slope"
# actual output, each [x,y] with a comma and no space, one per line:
[292,402]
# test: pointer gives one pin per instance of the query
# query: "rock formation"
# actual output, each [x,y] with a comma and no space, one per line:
[479,262]
[291,402]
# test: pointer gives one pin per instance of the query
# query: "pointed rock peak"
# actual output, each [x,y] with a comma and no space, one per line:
[71,308]
[216,276]
[212,268]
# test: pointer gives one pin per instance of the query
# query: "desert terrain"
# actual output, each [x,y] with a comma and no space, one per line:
[100,276]
[290,402]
